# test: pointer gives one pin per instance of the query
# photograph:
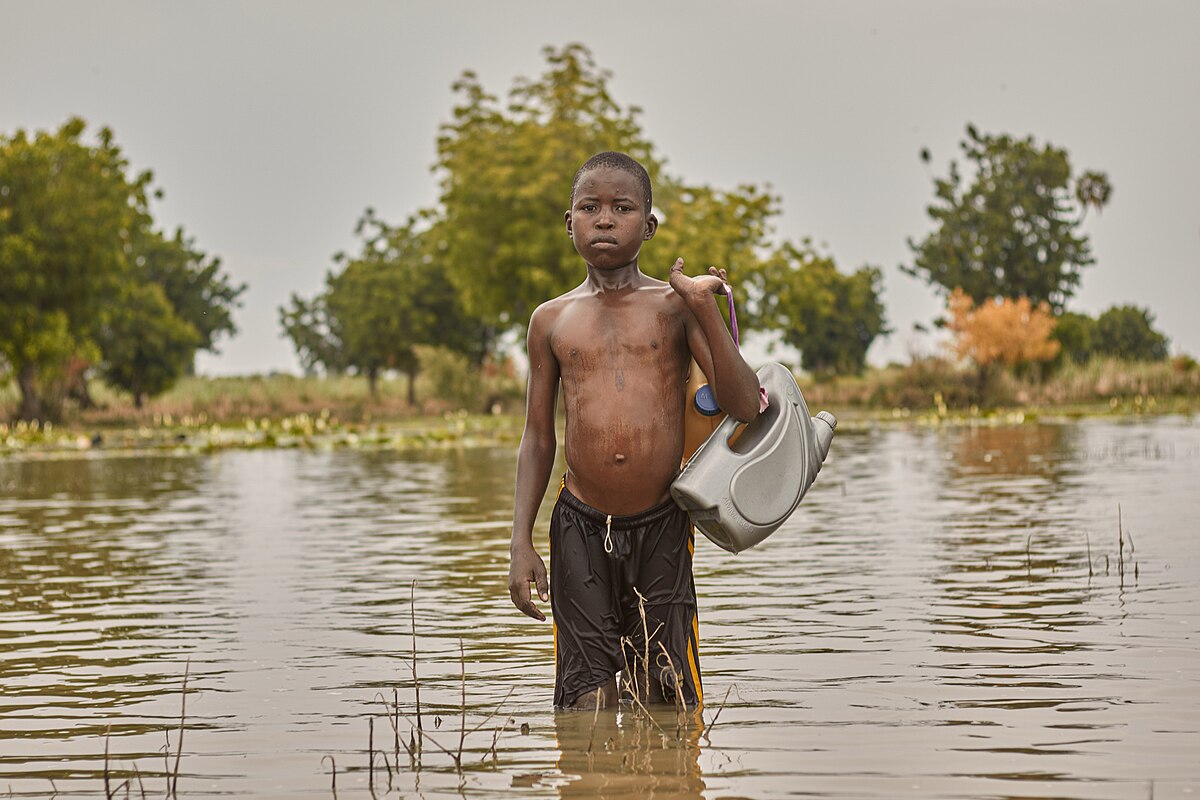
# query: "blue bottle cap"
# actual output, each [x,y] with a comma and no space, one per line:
[705,403]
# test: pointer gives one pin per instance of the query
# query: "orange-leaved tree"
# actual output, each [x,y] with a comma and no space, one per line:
[1001,331]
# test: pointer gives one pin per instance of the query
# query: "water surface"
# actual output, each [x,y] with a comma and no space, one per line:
[928,624]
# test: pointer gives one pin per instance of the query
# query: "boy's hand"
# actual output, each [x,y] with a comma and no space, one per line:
[699,287]
[526,567]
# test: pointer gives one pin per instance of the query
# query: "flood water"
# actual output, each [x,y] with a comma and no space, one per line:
[928,624]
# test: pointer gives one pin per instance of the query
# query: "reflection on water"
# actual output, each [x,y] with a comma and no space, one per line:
[951,613]
[623,756]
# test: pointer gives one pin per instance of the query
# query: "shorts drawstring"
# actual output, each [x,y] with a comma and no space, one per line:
[608,545]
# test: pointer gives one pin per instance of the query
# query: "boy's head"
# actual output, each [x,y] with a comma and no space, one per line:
[623,162]
[610,217]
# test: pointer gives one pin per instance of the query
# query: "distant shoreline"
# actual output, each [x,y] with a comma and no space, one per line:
[283,411]
[462,430]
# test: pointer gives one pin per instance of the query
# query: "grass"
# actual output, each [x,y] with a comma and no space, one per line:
[940,389]
[460,408]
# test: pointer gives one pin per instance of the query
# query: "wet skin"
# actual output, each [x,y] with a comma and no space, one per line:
[619,345]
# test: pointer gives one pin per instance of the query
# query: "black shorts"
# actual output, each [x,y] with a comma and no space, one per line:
[598,566]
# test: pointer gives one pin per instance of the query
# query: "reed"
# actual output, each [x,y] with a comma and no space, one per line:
[182,718]
[418,733]
[332,773]
[107,786]
[681,723]
[462,728]
[371,754]
[412,612]
[713,722]
[595,719]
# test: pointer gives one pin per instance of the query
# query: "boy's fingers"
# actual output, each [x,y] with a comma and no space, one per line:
[519,592]
[532,610]
[543,586]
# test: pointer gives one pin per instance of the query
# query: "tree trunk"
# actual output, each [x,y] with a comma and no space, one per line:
[138,399]
[82,394]
[983,385]
[373,383]
[487,336]
[412,387]
[31,404]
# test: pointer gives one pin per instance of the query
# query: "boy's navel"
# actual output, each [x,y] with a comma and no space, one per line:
[619,458]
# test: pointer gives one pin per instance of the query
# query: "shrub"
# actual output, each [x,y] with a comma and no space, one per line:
[1127,332]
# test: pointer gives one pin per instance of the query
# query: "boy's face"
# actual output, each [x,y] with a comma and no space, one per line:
[608,220]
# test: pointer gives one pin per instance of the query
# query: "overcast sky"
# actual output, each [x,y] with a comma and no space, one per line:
[271,125]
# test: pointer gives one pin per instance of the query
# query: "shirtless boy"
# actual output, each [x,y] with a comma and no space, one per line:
[620,344]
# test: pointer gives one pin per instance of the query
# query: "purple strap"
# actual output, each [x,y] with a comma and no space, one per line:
[732,316]
[762,392]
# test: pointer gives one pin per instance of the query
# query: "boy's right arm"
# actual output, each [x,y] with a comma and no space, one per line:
[534,462]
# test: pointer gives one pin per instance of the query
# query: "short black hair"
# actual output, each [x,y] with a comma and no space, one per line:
[623,162]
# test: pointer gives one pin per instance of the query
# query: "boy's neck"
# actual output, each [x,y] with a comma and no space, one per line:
[604,280]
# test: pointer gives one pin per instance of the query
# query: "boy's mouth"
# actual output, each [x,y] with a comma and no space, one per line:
[603,240]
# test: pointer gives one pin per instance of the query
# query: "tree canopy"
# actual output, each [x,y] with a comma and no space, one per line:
[506,171]
[199,291]
[67,213]
[382,303]
[84,277]
[1128,332]
[505,174]
[1013,230]
[1076,335]
[146,345]
[1001,331]
[174,301]
[830,317]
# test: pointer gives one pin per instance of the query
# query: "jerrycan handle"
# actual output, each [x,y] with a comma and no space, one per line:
[729,426]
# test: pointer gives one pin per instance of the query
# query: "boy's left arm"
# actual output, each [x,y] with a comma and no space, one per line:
[734,384]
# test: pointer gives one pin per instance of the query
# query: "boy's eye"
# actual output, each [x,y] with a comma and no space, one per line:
[623,208]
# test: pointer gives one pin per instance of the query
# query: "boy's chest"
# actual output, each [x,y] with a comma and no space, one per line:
[597,338]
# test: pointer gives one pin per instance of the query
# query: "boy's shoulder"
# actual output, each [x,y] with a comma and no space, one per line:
[652,293]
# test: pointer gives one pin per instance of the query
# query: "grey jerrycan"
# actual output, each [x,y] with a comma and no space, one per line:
[738,494]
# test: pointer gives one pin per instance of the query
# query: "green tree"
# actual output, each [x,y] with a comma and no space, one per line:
[384,302]
[314,333]
[198,289]
[709,227]
[506,172]
[147,346]
[1077,335]
[175,301]
[67,213]
[1128,332]
[1014,231]
[830,317]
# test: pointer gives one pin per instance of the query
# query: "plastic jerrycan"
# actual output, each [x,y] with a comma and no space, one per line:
[738,494]
[701,415]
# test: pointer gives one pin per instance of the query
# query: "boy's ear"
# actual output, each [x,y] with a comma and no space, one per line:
[651,227]
[567,219]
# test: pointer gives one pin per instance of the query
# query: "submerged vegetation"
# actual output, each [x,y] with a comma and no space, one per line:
[465,407]
[406,736]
